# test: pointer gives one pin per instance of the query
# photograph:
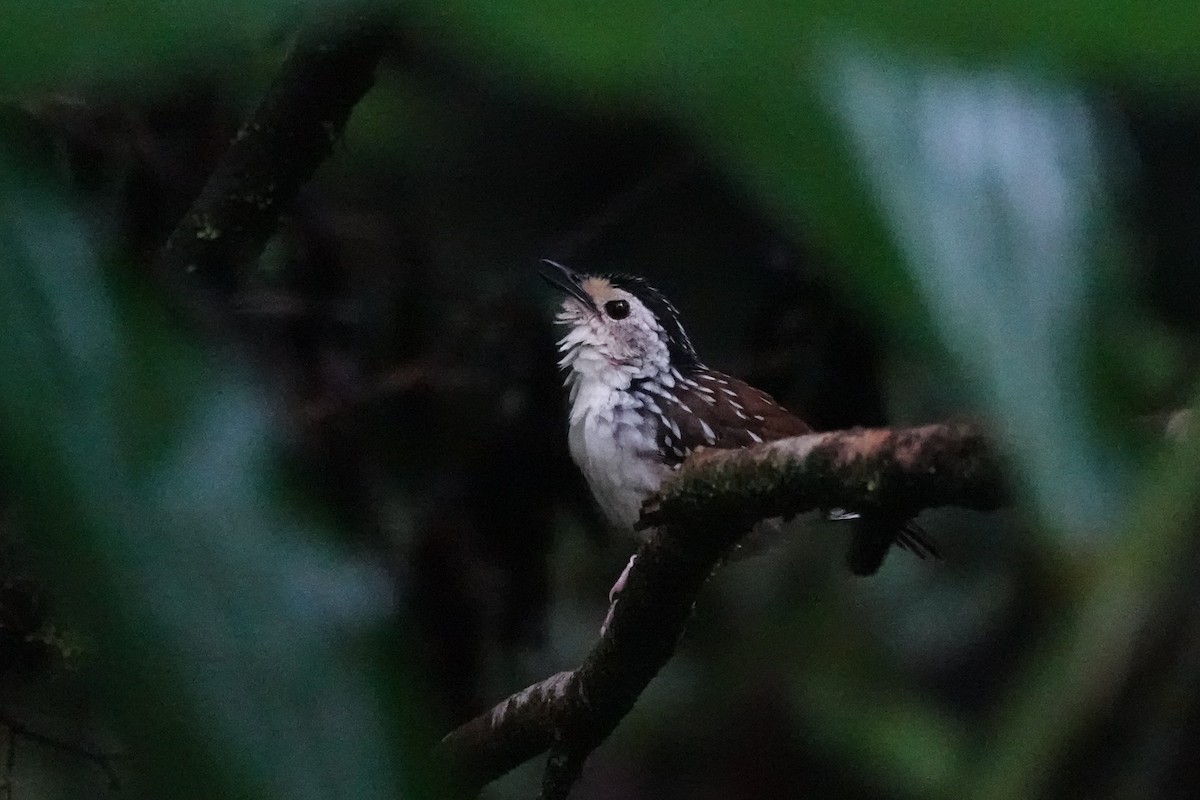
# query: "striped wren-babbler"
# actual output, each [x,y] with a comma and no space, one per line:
[641,400]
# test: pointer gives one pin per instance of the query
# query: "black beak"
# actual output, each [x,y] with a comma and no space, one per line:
[565,280]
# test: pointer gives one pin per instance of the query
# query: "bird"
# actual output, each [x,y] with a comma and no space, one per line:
[641,401]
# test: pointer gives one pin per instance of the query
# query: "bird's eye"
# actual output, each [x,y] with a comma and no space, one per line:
[617,309]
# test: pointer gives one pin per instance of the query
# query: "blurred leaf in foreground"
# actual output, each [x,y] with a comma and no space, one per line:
[59,44]
[743,77]
[242,650]
[991,182]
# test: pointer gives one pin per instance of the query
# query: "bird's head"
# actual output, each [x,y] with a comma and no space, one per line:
[619,325]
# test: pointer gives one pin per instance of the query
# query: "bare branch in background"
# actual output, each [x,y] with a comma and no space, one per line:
[276,152]
[18,731]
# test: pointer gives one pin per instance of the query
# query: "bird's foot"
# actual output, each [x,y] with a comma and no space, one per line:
[615,592]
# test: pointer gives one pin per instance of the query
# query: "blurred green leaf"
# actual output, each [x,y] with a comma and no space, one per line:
[736,77]
[1076,675]
[745,77]
[58,44]
[658,46]
[901,744]
[992,182]
[243,649]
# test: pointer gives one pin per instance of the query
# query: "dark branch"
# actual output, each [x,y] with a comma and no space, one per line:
[17,730]
[510,734]
[701,513]
[275,153]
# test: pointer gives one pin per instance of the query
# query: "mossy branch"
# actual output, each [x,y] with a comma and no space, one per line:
[697,517]
[899,470]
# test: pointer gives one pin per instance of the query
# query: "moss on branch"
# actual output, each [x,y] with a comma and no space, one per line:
[901,470]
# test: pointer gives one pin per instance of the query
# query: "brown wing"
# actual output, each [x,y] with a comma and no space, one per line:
[711,409]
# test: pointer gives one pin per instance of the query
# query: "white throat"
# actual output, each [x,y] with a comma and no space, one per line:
[611,439]
[595,373]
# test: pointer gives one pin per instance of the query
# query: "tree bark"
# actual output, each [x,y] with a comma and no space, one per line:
[275,153]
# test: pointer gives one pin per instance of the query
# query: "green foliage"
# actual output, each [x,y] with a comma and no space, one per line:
[991,180]
[244,650]
[125,43]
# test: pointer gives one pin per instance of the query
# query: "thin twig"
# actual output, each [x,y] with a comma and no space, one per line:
[10,764]
[18,730]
